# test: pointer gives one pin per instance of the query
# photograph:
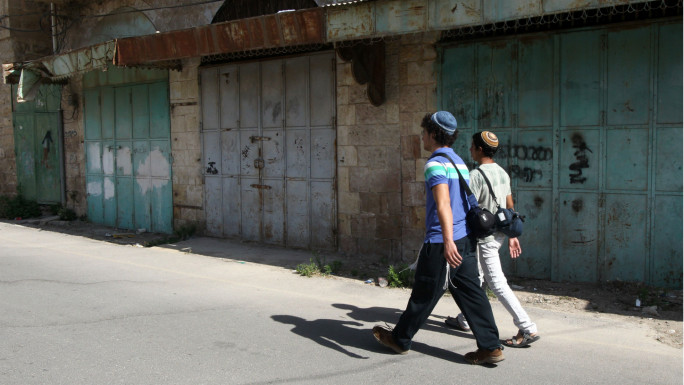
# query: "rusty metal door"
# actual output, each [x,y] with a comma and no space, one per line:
[591,126]
[269,159]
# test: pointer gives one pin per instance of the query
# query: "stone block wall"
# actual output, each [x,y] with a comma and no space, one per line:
[74,148]
[418,96]
[16,45]
[8,177]
[8,165]
[380,158]
[30,35]
[188,180]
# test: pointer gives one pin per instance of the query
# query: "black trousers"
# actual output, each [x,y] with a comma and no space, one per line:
[464,286]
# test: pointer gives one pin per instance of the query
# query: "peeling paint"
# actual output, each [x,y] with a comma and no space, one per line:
[159,166]
[94,188]
[109,189]
[94,157]
[108,161]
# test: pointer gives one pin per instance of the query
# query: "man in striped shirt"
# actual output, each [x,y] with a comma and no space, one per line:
[447,258]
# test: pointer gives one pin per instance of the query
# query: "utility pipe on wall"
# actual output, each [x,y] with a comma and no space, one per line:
[53,26]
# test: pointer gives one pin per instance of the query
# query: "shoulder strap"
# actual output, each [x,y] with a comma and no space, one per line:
[491,190]
[470,197]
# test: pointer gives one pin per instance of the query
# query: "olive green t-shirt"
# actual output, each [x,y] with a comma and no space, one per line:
[501,184]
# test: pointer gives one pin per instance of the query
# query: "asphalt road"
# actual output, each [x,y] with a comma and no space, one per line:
[78,311]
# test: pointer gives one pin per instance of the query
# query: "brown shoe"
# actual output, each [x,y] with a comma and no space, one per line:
[484,356]
[384,335]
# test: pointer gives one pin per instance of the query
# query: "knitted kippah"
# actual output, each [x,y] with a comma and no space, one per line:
[445,120]
[490,139]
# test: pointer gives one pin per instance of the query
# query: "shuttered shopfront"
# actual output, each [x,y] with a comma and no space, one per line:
[590,122]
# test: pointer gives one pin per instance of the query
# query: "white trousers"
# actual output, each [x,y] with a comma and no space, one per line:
[490,267]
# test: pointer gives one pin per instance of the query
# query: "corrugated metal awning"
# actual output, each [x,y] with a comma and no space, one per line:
[283,29]
[164,50]
[79,61]
[64,65]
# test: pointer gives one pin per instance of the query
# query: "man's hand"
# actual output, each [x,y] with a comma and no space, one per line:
[514,247]
[451,254]
[446,220]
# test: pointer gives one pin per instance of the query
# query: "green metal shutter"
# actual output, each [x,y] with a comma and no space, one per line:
[590,122]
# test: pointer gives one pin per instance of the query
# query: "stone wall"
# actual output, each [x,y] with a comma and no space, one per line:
[380,158]
[418,79]
[188,180]
[16,45]
[30,33]
[8,166]
[74,149]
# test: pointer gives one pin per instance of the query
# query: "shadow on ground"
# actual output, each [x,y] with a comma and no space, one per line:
[352,339]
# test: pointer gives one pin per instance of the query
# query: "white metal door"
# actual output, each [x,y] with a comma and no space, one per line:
[269,151]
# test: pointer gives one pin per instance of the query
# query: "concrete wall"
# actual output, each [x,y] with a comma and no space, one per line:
[381,191]
[188,180]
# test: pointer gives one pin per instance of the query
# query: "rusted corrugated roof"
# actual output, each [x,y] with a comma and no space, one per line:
[270,31]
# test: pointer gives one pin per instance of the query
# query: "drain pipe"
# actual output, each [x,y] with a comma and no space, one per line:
[53,26]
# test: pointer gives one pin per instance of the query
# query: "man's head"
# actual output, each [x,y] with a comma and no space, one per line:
[485,144]
[440,127]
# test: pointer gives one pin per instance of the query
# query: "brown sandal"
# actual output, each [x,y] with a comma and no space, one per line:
[525,340]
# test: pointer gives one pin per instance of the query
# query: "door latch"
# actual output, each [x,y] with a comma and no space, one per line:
[259,138]
[261,186]
[258,163]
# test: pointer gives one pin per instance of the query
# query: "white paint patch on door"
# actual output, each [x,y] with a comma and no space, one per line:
[95,165]
[108,161]
[94,188]
[150,184]
[160,168]
[109,189]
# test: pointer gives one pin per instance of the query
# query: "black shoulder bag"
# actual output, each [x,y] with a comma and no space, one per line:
[508,221]
[479,220]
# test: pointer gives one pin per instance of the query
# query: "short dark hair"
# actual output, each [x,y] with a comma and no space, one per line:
[487,150]
[435,131]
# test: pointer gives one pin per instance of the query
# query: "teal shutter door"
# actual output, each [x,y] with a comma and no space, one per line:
[38,145]
[590,122]
[128,151]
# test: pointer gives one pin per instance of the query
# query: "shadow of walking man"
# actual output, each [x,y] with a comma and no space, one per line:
[332,334]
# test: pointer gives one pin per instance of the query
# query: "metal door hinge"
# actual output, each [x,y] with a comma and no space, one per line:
[260,186]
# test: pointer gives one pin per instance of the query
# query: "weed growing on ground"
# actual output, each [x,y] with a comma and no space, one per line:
[18,207]
[319,267]
[308,269]
[180,234]
[399,276]
[66,214]
[490,293]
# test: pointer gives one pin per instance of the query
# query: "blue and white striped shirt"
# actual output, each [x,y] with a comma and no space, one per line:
[439,170]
